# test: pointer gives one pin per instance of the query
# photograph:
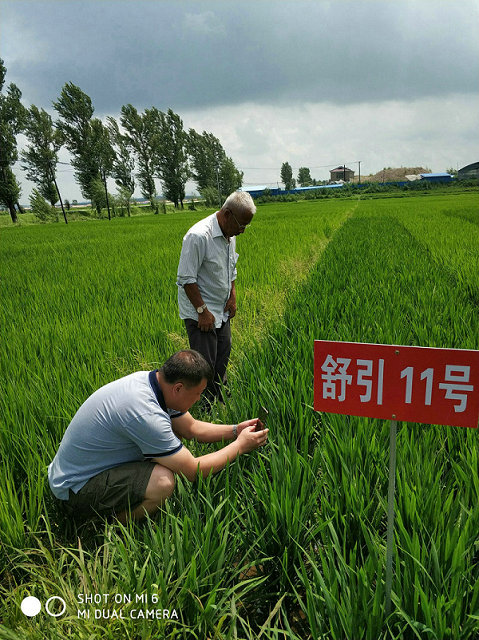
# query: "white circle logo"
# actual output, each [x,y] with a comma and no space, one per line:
[55,615]
[31,606]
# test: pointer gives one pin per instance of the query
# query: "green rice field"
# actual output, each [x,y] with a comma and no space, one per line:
[290,541]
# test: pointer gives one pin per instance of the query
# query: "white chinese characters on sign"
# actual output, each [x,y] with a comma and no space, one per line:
[338,374]
[455,375]
[367,372]
[336,371]
[331,378]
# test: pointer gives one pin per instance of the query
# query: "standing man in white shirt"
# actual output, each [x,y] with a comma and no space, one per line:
[206,283]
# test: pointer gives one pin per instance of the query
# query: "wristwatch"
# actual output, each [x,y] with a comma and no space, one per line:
[201,309]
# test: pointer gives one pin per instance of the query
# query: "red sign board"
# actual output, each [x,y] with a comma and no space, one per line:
[413,384]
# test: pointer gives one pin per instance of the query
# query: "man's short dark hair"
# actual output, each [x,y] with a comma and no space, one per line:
[187,366]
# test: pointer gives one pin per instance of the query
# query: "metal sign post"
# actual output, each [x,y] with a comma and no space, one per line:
[390,530]
[392,382]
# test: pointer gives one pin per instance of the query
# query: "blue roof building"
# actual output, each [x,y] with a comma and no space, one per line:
[436,177]
[256,191]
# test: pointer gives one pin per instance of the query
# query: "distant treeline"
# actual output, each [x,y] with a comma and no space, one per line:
[134,150]
[368,189]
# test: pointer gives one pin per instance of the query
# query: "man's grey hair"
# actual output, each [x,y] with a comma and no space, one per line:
[240,202]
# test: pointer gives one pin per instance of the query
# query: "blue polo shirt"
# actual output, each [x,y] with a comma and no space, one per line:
[125,421]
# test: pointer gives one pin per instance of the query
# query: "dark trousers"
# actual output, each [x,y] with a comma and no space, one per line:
[215,347]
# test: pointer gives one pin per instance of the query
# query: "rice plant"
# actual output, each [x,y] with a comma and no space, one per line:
[288,542]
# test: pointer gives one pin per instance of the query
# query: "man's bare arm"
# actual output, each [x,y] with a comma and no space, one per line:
[194,294]
[186,464]
[206,320]
[231,302]
[185,426]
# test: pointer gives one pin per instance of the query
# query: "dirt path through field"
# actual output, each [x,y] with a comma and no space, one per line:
[291,272]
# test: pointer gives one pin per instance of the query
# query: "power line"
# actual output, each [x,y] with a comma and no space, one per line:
[323,166]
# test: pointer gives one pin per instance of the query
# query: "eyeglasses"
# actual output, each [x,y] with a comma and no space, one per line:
[240,226]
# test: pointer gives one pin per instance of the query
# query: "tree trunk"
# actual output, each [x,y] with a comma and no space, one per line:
[154,205]
[106,196]
[60,198]
[20,208]
[13,212]
[8,196]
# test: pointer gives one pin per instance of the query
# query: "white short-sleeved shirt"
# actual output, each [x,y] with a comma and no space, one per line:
[208,259]
[124,421]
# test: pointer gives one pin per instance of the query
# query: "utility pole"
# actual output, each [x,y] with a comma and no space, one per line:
[359,178]
[103,175]
[218,185]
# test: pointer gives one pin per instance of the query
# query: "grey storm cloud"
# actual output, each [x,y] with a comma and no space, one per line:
[194,54]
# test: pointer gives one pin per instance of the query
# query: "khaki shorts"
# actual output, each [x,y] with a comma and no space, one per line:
[110,492]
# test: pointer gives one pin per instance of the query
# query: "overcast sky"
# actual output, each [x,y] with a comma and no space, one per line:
[317,84]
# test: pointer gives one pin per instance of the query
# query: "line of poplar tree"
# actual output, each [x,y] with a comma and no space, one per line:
[136,149]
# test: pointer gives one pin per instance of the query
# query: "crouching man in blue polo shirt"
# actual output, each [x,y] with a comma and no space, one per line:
[120,453]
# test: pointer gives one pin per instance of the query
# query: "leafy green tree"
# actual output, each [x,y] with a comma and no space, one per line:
[75,110]
[50,193]
[210,196]
[98,196]
[230,178]
[104,153]
[211,168]
[9,191]
[123,164]
[40,207]
[41,156]
[206,154]
[12,119]
[287,176]
[123,198]
[142,136]
[304,177]
[171,158]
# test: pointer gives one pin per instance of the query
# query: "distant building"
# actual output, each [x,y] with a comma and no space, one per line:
[259,190]
[341,173]
[436,177]
[470,172]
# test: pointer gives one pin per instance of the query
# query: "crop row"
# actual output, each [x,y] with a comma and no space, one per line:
[289,542]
